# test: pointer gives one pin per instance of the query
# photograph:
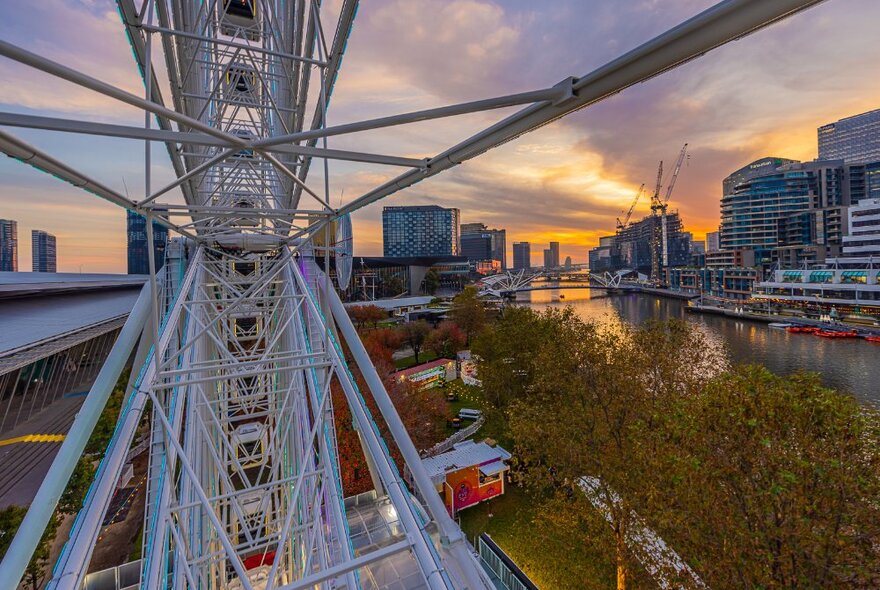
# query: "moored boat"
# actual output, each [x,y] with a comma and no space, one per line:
[837,334]
[875,339]
[802,329]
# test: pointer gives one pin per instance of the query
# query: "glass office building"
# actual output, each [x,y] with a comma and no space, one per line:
[774,202]
[138,252]
[856,139]
[8,245]
[43,251]
[424,230]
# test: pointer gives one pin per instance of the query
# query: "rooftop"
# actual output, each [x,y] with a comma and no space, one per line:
[423,367]
[464,454]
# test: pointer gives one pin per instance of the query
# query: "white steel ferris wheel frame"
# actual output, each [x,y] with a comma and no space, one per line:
[239,351]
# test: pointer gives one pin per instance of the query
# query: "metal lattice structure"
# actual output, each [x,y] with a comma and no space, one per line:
[237,347]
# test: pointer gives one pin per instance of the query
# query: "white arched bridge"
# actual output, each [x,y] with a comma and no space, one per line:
[507,284]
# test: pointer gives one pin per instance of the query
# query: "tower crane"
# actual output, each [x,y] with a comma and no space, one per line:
[656,205]
[665,203]
[622,224]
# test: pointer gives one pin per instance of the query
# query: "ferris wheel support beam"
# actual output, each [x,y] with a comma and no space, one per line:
[20,150]
[726,21]
[139,49]
[334,62]
[58,70]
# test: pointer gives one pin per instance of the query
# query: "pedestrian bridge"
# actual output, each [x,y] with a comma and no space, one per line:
[515,281]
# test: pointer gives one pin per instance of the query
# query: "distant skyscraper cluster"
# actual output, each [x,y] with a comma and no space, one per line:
[8,245]
[138,248]
[43,251]
[551,256]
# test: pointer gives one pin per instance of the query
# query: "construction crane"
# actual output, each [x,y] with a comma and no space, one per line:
[622,224]
[656,205]
[665,203]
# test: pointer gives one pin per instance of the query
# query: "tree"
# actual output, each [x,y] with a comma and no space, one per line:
[574,393]
[779,478]
[10,519]
[414,335]
[77,487]
[445,340]
[363,315]
[431,281]
[468,313]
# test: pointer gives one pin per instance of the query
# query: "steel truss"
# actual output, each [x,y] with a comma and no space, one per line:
[238,347]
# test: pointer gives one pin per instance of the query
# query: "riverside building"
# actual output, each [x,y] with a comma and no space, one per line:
[522,255]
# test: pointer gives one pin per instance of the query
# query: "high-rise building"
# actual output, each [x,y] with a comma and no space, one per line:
[423,230]
[548,258]
[138,250]
[856,139]
[498,236]
[864,229]
[784,210]
[476,246]
[713,241]
[8,245]
[43,248]
[522,255]
[567,263]
[554,254]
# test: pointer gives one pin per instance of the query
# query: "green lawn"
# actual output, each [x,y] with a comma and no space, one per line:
[508,520]
[410,361]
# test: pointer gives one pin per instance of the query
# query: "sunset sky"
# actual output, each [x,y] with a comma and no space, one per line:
[763,95]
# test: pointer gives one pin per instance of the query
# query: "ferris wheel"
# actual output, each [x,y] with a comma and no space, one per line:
[241,353]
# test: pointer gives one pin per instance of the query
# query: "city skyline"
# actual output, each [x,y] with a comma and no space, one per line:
[584,169]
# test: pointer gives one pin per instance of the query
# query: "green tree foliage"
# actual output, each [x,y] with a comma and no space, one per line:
[468,313]
[10,519]
[792,472]
[75,492]
[414,334]
[757,481]
[103,431]
[431,282]
[445,340]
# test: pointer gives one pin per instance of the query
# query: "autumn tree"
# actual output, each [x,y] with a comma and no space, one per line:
[468,313]
[414,335]
[590,388]
[778,478]
[445,340]
[366,315]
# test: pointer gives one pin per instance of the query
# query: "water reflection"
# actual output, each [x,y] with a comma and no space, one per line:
[848,365]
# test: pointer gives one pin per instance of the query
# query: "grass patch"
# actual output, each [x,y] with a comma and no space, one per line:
[410,361]
[509,521]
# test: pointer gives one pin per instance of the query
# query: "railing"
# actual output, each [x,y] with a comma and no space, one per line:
[504,572]
[445,445]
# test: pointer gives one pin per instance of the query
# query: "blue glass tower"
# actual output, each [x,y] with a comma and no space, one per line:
[138,257]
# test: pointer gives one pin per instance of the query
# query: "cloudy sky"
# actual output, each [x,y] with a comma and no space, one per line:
[763,95]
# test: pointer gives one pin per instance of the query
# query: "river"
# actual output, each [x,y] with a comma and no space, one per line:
[846,365]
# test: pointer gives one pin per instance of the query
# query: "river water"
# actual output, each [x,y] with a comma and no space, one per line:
[846,365]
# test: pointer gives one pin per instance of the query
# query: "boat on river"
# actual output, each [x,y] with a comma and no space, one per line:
[779,325]
[837,333]
[802,329]
[874,339]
